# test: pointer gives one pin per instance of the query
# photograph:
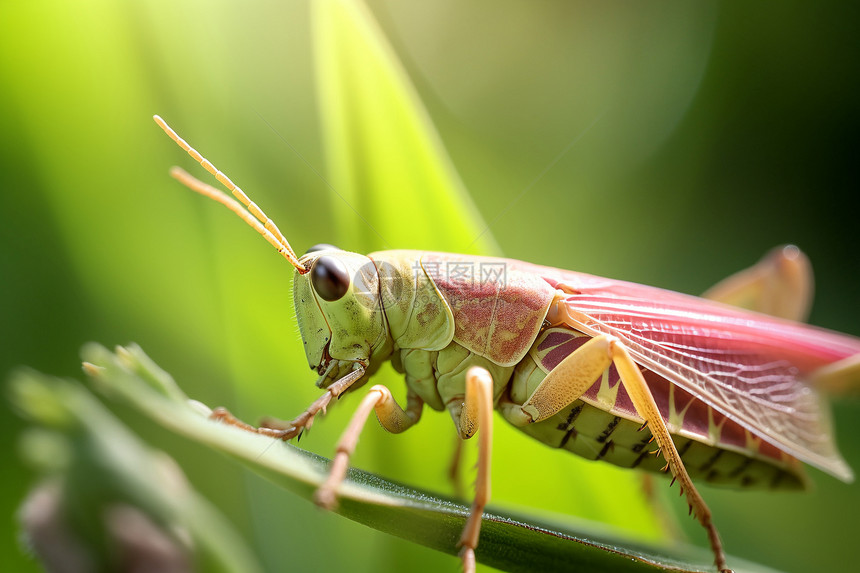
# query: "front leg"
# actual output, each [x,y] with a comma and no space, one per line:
[288,430]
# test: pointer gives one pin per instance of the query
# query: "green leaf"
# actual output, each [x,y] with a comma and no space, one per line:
[105,499]
[508,541]
[396,186]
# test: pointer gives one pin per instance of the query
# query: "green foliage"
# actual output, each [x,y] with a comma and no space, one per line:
[383,153]
[95,442]
[668,143]
[106,502]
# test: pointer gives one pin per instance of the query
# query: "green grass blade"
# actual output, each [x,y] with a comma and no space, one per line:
[396,186]
[509,542]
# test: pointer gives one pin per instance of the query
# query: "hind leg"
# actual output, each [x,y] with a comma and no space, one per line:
[780,284]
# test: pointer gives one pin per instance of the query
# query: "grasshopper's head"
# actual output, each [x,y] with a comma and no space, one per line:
[336,292]
[338,310]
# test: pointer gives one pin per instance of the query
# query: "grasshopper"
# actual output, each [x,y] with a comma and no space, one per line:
[596,366]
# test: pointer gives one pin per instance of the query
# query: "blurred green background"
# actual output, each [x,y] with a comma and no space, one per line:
[667,143]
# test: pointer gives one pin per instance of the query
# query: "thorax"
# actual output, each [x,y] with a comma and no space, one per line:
[439,377]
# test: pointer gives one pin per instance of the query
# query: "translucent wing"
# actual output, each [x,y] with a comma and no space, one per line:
[749,366]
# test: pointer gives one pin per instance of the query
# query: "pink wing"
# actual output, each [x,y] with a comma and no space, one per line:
[749,366]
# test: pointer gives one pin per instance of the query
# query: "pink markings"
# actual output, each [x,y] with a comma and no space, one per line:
[497,314]
[697,419]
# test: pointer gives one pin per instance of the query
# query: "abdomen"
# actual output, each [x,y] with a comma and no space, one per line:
[603,425]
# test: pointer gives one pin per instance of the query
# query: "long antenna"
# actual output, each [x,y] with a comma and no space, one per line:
[262,224]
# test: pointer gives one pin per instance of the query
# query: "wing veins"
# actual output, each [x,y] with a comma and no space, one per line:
[780,410]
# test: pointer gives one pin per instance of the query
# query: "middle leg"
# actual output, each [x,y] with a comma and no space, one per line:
[392,417]
[477,413]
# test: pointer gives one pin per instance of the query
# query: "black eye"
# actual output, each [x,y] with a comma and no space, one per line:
[330,278]
[322,247]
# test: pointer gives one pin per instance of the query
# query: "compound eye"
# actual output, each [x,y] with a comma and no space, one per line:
[322,247]
[329,278]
